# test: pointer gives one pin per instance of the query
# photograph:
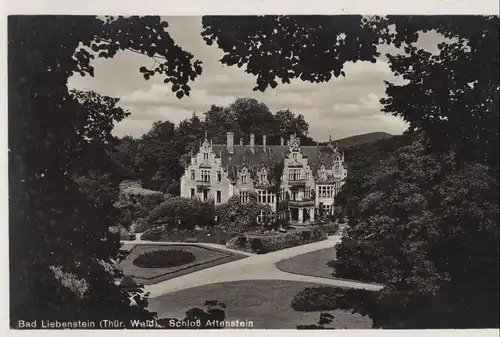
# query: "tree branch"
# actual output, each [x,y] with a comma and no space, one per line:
[138,52]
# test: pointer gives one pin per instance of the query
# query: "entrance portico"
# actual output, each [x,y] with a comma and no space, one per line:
[301,214]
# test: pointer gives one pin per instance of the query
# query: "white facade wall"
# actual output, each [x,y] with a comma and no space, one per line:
[206,171]
[206,161]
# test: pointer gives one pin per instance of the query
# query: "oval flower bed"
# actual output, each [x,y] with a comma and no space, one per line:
[164,258]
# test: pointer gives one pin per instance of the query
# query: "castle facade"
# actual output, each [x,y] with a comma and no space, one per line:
[312,175]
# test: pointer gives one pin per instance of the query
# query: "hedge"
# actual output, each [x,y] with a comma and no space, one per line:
[210,235]
[262,244]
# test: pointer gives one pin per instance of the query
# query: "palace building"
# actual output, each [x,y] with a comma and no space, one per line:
[311,174]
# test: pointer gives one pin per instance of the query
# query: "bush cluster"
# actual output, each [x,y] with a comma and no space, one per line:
[183,213]
[262,244]
[208,235]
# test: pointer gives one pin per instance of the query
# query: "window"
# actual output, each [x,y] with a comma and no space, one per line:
[205,195]
[326,191]
[243,178]
[205,175]
[294,156]
[219,197]
[308,175]
[265,197]
[192,193]
[244,197]
[337,169]
[205,156]
[283,194]
[328,209]
[295,195]
[219,176]
[193,175]
[294,174]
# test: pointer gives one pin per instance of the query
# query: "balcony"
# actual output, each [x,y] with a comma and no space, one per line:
[297,182]
[301,203]
[202,182]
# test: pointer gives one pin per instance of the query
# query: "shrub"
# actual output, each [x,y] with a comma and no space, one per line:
[237,217]
[331,298]
[241,241]
[78,286]
[128,282]
[153,234]
[329,228]
[140,226]
[164,258]
[276,241]
[184,213]
[137,200]
[256,245]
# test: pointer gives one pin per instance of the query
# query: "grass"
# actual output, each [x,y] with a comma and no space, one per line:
[204,258]
[267,303]
[311,264]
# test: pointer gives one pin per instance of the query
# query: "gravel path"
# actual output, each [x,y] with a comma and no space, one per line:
[256,267]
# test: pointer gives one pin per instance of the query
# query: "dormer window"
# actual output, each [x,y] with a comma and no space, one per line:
[243,178]
[205,156]
[337,169]
[263,176]
[193,175]
[294,156]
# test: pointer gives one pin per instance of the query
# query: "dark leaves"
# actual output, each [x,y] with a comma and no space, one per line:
[65,136]
[290,47]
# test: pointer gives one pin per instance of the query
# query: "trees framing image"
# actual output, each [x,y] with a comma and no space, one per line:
[360,152]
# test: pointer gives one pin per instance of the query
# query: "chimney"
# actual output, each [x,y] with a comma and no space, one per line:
[264,142]
[281,141]
[252,142]
[241,141]
[230,142]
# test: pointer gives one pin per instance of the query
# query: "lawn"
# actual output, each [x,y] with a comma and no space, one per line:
[311,264]
[266,303]
[204,258]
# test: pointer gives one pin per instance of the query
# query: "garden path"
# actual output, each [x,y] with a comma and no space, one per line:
[254,267]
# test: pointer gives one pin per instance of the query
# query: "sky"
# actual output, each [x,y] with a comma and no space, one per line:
[342,107]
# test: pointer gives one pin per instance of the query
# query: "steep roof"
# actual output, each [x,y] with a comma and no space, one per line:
[243,156]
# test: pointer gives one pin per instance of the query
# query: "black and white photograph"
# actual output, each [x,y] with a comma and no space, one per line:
[261,171]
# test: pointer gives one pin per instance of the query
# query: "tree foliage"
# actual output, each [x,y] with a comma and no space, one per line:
[287,47]
[51,134]
[235,216]
[426,231]
[183,213]
[427,220]
[456,89]
[160,154]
